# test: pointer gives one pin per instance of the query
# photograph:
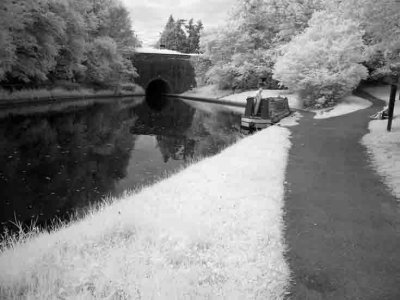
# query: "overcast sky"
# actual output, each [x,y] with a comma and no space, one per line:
[150,16]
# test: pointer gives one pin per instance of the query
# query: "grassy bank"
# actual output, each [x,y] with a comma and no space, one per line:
[212,231]
[36,95]
[384,146]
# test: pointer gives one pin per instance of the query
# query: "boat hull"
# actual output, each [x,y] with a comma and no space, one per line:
[255,123]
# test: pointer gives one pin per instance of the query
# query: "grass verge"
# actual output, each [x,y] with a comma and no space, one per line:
[384,147]
[212,231]
[39,94]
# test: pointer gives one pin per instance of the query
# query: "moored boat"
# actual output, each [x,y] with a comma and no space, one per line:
[264,112]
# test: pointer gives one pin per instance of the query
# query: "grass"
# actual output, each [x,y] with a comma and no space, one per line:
[384,147]
[62,106]
[347,105]
[36,94]
[212,231]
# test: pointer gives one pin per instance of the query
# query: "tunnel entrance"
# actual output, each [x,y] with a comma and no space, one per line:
[155,94]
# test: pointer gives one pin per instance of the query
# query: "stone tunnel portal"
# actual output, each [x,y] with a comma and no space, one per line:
[155,93]
[158,73]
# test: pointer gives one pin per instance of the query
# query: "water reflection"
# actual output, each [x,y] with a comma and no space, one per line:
[54,162]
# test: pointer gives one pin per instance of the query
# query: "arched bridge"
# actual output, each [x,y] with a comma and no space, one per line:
[161,73]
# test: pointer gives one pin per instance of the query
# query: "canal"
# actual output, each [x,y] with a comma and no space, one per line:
[60,159]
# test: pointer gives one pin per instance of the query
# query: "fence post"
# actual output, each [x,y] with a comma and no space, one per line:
[392,99]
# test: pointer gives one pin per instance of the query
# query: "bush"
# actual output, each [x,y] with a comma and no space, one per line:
[67,85]
[201,65]
[324,63]
[244,71]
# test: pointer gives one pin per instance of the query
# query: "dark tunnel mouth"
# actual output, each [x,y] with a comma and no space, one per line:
[155,94]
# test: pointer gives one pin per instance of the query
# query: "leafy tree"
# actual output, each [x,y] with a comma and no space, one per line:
[115,23]
[293,17]
[201,65]
[61,39]
[167,34]
[175,38]
[9,18]
[193,36]
[324,62]
[33,39]
[178,41]
[244,51]
[380,21]
[104,64]
[112,36]
[72,44]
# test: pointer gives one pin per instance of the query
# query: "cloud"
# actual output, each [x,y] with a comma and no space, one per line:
[149,17]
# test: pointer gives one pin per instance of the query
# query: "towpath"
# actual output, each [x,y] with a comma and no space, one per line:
[343,225]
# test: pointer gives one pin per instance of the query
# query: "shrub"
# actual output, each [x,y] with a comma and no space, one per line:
[324,62]
[67,85]
[244,71]
[201,65]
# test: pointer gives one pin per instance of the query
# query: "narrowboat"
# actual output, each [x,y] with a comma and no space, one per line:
[265,113]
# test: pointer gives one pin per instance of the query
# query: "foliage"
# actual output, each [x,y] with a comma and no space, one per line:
[324,62]
[381,24]
[193,36]
[293,16]
[266,26]
[175,38]
[201,65]
[55,39]
[104,64]
[32,39]
[243,52]
[243,71]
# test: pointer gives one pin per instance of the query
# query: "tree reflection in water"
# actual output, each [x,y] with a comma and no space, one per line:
[53,163]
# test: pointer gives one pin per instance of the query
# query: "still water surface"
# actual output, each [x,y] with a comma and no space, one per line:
[55,160]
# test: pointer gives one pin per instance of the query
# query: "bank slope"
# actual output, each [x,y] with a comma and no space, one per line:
[212,231]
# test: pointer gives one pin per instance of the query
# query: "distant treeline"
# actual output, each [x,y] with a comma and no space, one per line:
[65,40]
[182,37]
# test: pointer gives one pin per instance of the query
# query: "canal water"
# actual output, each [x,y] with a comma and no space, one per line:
[57,160]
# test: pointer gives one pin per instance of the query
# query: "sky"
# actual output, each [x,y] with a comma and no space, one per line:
[150,16]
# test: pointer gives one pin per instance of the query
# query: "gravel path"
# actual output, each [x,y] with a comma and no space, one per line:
[343,225]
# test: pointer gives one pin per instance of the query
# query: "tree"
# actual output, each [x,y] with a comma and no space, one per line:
[178,41]
[111,37]
[104,63]
[115,23]
[175,38]
[33,39]
[9,19]
[198,28]
[167,34]
[193,36]
[380,21]
[72,44]
[324,62]
[244,51]
[61,39]
[293,17]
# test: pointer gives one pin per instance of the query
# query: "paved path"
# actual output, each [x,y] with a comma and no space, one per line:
[343,225]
